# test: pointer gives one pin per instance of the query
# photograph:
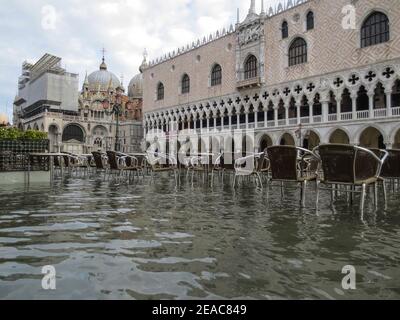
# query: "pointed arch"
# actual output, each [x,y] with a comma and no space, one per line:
[339,135]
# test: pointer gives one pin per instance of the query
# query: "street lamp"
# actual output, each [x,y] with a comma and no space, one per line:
[117,112]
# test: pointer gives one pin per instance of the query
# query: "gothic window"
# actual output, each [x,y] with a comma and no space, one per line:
[160,91]
[250,68]
[98,142]
[298,52]
[216,75]
[310,20]
[285,30]
[185,84]
[375,30]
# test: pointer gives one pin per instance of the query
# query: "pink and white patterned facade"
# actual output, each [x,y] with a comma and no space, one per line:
[345,88]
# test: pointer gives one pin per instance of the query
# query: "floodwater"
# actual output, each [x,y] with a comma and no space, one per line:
[155,241]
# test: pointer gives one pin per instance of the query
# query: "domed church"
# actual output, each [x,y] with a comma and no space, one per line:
[85,120]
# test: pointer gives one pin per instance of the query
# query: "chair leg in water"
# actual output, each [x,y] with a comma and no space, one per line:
[260,180]
[363,197]
[375,186]
[303,194]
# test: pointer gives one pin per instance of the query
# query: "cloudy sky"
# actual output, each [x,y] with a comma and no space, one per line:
[76,30]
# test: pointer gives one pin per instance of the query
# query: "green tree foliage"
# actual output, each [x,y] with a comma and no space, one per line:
[16,134]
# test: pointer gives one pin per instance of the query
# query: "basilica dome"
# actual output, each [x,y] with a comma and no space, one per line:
[135,88]
[101,79]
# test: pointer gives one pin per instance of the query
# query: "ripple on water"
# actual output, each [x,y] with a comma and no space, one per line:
[154,241]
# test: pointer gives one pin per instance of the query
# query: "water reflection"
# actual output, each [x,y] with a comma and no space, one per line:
[158,242]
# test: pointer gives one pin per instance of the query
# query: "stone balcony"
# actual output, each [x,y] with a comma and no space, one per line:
[249,83]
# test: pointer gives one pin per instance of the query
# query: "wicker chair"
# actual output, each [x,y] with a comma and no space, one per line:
[391,168]
[160,162]
[101,162]
[121,164]
[200,165]
[217,167]
[348,166]
[74,163]
[249,166]
[292,164]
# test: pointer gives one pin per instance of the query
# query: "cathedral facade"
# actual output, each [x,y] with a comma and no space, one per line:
[88,121]
[303,73]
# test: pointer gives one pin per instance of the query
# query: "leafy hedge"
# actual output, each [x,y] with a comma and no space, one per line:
[16,134]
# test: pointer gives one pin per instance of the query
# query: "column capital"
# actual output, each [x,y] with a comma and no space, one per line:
[389,90]
[354,95]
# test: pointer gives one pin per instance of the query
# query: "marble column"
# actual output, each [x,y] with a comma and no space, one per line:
[388,93]
[266,118]
[287,114]
[298,106]
[354,105]
[371,104]
[276,115]
[325,111]
[311,112]
[338,108]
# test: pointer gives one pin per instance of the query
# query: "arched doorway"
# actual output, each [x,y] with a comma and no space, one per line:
[287,140]
[265,142]
[372,138]
[73,139]
[311,140]
[340,137]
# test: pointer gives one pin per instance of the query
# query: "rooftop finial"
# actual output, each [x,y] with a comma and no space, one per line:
[262,8]
[103,65]
[252,9]
[103,51]
[238,15]
[145,54]
[252,12]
